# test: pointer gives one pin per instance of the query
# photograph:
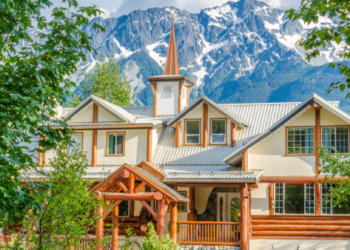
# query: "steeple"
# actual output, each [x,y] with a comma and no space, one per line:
[171,64]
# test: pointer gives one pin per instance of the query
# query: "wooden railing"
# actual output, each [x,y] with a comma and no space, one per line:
[208,233]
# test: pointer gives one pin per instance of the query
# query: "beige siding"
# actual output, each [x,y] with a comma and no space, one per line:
[269,155]
[260,200]
[306,119]
[104,116]
[84,116]
[135,148]
[328,118]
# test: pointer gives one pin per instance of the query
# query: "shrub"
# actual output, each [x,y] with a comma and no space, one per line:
[155,242]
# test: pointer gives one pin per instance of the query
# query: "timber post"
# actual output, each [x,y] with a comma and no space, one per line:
[192,215]
[115,231]
[99,228]
[173,219]
[244,218]
[161,217]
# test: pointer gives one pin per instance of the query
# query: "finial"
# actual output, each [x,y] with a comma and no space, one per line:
[173,13]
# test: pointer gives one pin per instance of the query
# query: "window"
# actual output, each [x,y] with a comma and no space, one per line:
[294,199]
[116,142]
[181,207]
[300,141]
[327,204]
[336,137]
[168,92]
[76,143]
[192,131]
[218,131]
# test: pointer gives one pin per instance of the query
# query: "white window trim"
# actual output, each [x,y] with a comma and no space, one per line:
[284,196]
[211,132]
[313,129]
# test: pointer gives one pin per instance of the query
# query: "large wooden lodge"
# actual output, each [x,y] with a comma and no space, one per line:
[233,175]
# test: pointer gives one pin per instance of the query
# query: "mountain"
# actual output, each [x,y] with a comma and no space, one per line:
[239,52]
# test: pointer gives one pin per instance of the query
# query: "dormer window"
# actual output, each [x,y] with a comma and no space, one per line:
[336,137]
[300,141]
[218,131]
[168,92]
[192,132]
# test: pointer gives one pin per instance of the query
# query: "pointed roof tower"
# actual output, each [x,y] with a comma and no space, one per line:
[171,90]
[172,64]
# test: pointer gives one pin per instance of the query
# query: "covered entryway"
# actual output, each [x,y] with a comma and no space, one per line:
[125,184]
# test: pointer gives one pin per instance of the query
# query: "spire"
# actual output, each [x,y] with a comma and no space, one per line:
[171,64]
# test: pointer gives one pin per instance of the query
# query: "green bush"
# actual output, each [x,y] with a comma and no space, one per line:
[155,242]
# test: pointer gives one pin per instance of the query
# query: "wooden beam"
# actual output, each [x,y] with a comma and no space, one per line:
[131,191]
[222,185]
[244,218]
[173,218]
[122,186]
[155,91]
[180,97]
[178,134]
[292,217]
[271,198]
[116,204]
[125,174]
[317,187]
[133,197]
[266,227]
[161,217]
[317,139]
[148,190]
[95,113]
[139,187]
[100,225]
[149,145]
[192,196]
[315,106]
[205,125]
[115,229]
[303,233]
[245,161]
[233,134]
[94,148]
[149,208]
[188,90]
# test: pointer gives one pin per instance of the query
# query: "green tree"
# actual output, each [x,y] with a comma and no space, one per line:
[32,83]
[310,11]
[68,209]
[108,83]
[334,165]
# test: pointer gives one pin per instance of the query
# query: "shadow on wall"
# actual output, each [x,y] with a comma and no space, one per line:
[211,207]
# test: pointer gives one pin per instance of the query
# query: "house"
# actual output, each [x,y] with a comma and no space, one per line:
[235,175]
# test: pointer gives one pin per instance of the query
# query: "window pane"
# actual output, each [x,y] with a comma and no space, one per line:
[218,126]
[279,198]
[120,144]
[336,137]
[218,138]
[192,127]
[300,141]
[112,142]
[326,199]
[124,209]
[192,139]
[235,209]
[294,200]
[309,199]
[168,92]
[75,144]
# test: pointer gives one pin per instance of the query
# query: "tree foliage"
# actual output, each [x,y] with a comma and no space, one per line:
[108,83]
[67,211]
[334,165]
[32,83]
[310,12]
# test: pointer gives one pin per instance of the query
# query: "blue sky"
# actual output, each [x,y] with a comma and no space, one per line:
[115,8]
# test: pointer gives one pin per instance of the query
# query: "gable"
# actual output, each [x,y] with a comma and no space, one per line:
[327,119]
[85,115]
[104,116]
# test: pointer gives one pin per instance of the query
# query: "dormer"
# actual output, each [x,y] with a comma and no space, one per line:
[171,90]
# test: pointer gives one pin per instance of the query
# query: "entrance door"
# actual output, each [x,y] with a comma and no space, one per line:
[228,206]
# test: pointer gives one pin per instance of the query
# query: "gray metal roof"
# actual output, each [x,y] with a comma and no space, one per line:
[215,176]
[273,124]
[140,112]
[118,112]
[259,116]
[217,107]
